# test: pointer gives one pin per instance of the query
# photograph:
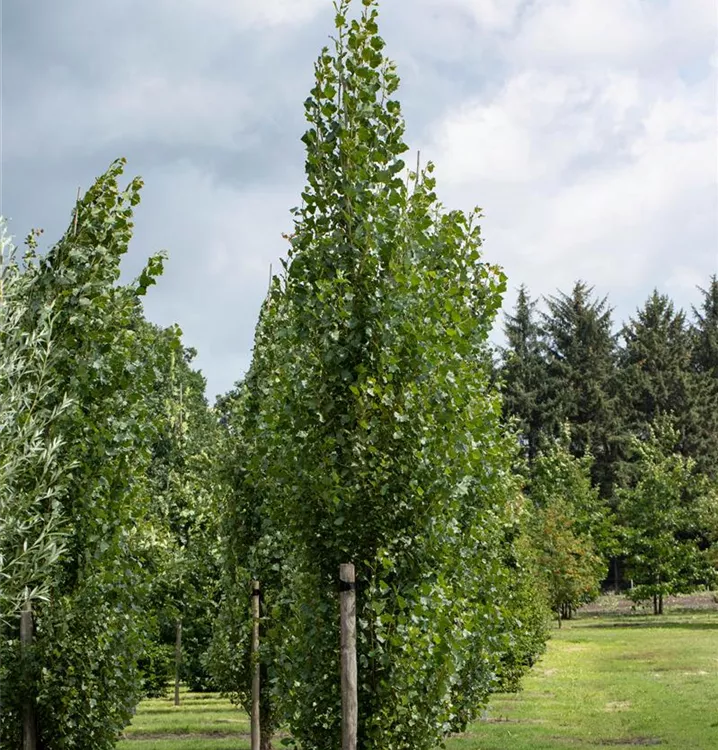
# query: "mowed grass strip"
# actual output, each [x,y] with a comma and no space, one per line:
[620,682]
[606,681]
[200,721]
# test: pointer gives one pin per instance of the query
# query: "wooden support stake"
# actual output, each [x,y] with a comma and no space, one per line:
[256,678]
[350,706]
[29,726]
[178,659]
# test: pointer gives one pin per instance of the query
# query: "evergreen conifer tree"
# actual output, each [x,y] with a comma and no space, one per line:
[703,441]
[524,372]
[581,362]
[656,377]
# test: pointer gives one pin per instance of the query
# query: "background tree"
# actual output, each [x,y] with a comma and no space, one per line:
[656,378]
[581,368]
[705,349]
[662,519]
[523,373]
[571,529]
[703,440]
[184,555]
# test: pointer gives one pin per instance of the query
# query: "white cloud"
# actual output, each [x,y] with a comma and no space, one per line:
[491,15]
[626,33]
[221,242]
[253,14]
[595,158]
[150,108]
[582,175]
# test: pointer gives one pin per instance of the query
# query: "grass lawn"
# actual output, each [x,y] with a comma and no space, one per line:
[608,679]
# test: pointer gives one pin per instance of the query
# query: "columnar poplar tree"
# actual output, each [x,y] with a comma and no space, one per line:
[254,546]
[84,681]
[378,435]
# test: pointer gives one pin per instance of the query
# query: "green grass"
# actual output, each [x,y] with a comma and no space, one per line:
[606,681]
[617,682]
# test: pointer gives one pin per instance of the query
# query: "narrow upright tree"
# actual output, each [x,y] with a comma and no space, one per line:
[253,544]
[88,634]
[377,432]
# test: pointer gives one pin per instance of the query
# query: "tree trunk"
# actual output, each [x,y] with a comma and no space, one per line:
[178,659]
[29,725]
[660,604]
[655,604]
[256,730]
[266,741]
[350,708]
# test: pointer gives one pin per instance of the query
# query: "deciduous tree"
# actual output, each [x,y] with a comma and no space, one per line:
[379,434]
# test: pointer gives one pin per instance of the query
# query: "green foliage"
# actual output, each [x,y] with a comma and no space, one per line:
[570,528]
[88,636]
[254,545]
[524,373]
[703,440]
[581,367]
[369,433]
[526,598]
[183,551]
[656,378]
[705,349]
[663,515]
[32,477]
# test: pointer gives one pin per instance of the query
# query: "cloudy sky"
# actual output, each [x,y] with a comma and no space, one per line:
[585,129]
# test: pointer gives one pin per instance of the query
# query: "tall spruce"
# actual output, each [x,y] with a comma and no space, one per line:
[656,378]
[523,373]
[705,349]
[703,441]
[581,358]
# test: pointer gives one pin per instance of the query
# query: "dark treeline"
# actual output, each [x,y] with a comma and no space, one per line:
[568,376]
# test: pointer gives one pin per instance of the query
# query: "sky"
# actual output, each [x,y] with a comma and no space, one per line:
[586,130]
